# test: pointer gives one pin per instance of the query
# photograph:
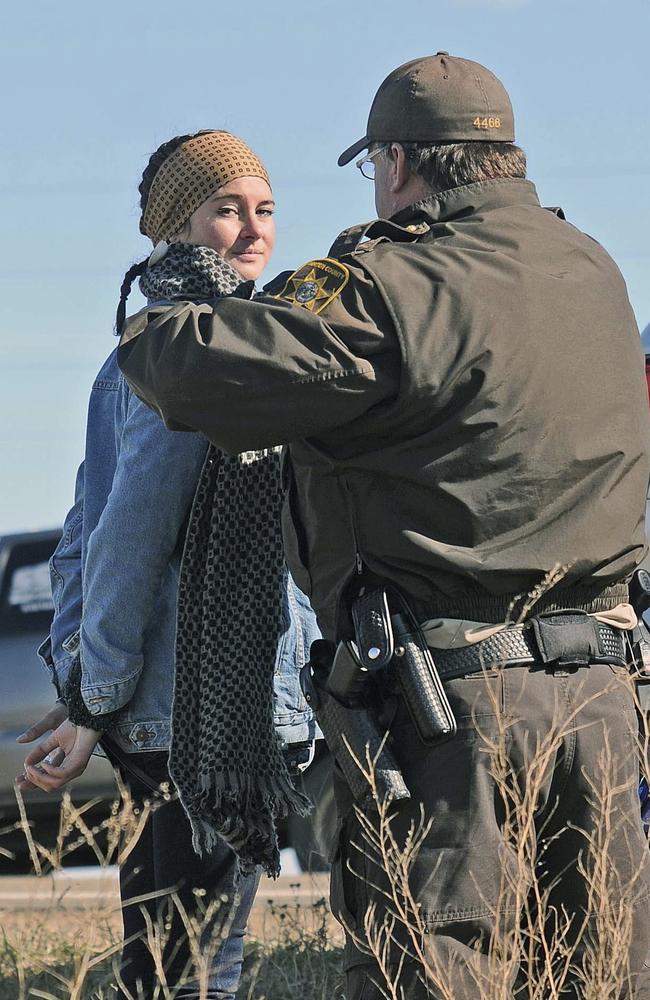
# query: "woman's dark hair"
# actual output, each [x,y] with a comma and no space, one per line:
[156,160]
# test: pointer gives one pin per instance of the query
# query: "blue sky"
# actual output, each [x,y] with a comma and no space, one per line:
[90,91]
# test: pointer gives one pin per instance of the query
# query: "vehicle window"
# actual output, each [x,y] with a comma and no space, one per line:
[30,589]
[25,598]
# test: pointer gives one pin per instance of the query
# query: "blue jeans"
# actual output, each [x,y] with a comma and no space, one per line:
[210,889]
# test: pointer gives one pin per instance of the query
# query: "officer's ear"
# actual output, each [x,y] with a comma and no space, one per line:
[399,172]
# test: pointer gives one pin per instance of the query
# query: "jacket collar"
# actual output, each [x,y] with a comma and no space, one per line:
[471,199]
[413,222]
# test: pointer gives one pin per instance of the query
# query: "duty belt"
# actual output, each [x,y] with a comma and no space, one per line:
[519,645]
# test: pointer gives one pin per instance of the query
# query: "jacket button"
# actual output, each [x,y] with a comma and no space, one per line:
[143,735]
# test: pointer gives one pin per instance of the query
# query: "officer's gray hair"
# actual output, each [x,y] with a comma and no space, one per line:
[457,163]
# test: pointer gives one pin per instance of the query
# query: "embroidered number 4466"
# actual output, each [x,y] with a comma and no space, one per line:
[486,122]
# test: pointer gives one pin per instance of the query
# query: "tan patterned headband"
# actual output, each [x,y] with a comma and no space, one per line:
[191,174]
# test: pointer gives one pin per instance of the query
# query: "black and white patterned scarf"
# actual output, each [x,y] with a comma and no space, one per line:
[225,758]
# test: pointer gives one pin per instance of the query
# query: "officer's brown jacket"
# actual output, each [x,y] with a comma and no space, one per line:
[467,413]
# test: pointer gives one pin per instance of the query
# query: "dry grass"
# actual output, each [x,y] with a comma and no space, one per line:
[63,953]
[293,953]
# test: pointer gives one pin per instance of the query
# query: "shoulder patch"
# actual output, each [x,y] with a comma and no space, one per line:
[314,285]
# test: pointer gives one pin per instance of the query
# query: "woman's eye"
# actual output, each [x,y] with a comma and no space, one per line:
[266,211]
[226,211]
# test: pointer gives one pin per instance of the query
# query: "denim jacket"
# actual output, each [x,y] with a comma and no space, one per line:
[115,574]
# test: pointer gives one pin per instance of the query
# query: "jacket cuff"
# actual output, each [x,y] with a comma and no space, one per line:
[78,712]
[58,669]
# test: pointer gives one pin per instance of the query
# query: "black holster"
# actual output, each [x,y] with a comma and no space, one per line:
[352,734]
[388,638]
[418,678]
[389,651]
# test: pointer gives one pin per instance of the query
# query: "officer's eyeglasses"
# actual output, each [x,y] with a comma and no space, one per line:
[367,163]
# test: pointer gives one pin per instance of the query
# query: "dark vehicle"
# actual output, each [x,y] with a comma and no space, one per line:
[26,694]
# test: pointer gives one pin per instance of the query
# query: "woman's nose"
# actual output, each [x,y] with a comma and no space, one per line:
[252,226]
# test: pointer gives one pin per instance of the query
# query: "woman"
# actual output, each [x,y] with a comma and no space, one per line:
[208,207]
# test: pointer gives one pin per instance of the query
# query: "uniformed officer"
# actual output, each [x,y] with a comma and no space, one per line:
[460,384]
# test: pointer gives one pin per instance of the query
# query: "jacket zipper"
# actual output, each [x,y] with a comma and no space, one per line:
[358,561]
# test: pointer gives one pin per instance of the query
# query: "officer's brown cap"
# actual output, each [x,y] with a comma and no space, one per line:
[438,98]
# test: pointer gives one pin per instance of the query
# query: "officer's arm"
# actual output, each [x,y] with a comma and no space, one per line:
[254,374]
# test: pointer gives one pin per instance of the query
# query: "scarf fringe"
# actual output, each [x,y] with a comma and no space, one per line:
[239,809]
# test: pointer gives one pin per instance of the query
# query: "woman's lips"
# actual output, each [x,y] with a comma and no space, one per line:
[248,254]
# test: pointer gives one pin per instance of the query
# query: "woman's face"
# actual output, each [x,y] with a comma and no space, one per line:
[237,222]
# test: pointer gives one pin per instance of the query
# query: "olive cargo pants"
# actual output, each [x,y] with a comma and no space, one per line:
[534,867]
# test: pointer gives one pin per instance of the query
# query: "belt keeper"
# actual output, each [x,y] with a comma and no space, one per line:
[567,637]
